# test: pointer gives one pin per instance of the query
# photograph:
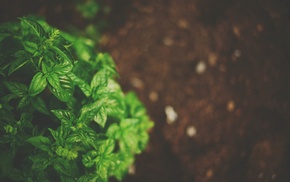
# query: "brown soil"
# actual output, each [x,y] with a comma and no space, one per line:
[238,105]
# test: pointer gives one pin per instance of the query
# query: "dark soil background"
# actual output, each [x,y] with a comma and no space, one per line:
[223,66]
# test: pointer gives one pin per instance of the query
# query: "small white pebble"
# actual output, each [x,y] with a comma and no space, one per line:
[200,67]
[132,169]
[153,96]
[274,176]
[261,175]
[191,131]
[137,83]
[168,41]
[171,115]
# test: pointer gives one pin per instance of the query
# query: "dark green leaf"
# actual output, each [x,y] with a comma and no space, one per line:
[21,60]
[40,106]
[41,142]
[24,102]
[36,28]
[18,89]
[60,52]
[37,84]
[62,166]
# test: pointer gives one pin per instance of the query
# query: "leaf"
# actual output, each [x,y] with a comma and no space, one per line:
[60,52]
[37,84]
[89,111]
[101,117]
[81,84]
[113,131]
[62,166]
[64,115]
[66,83]
[24,102]
[63,68]
[40,142]
[30,46]
[21,60]
[18,89]
[107,147]
[88,159]
[36,28]
[40,161]
[60,93]
[53,80]
[88,178]
[100,79]
[40,106]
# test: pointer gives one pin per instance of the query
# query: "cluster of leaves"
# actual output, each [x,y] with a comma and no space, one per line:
[63,117]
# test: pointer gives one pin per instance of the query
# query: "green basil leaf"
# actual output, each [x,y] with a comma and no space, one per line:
[64,115]
[37,84]
[53,80]
[21,60]
[30,46]
[18,89]
[40,106]
[88,177]
[81,84]
[63,68]
[100,79]
[24,102]
[62,166]
[89,111]
[101,117]
[60,93]
[36,28]
[41,142]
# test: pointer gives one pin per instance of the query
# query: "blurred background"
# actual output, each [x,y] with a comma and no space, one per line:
[214,76]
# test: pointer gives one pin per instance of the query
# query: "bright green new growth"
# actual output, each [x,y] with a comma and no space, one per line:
[63,117]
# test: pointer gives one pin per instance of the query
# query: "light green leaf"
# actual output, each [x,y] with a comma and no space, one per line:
[60,93]
[101,117]
[37,84]
[81,84]
[100,79]
[30,46]
[89,111]
[63,68]
[53,80]
[64,115]
[88,178]
[41,142]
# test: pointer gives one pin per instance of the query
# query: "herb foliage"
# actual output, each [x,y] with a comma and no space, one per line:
[63,116]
